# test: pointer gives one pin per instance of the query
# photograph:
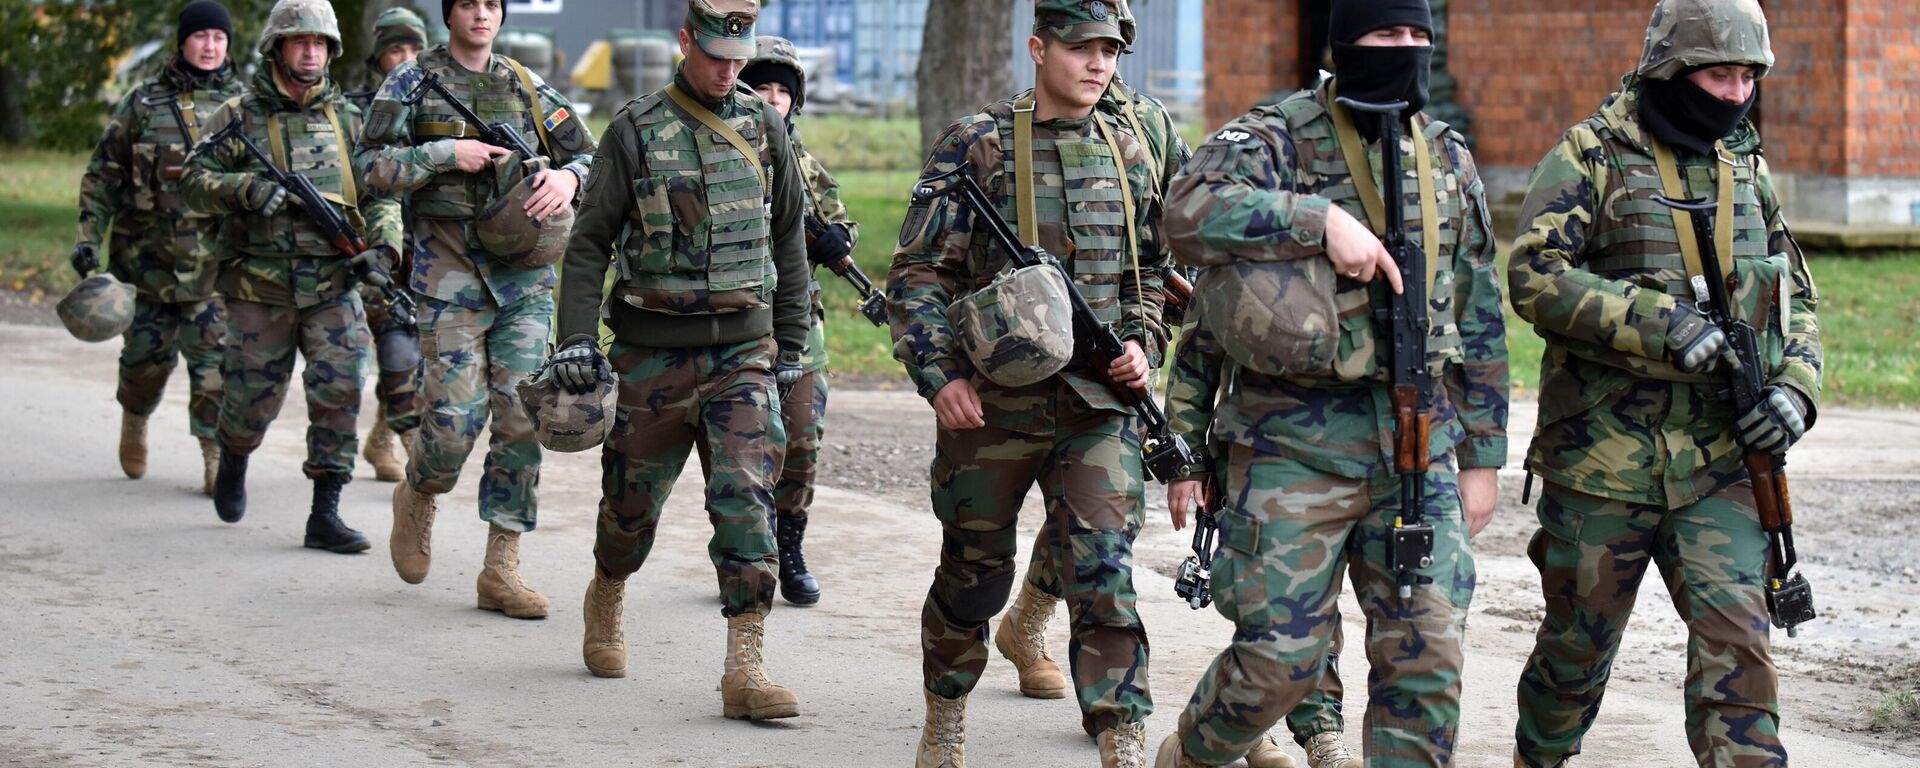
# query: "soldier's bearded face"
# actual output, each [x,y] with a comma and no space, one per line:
[205,49]
[712,78]
[776,94]
[1073,75]
[397,54]
[304,57]
[474,23]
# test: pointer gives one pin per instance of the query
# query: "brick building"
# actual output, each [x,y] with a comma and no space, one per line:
[1840,115]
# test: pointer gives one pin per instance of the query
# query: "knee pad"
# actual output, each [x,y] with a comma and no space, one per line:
[980,570]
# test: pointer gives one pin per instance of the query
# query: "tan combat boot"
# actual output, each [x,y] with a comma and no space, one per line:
[943,740]
[745,691]
[1022,639]
[133,445]
[1326,750]
[411,543]
[1124,746]
[209,464]
[605,646]
[1173,755]
[383,451]
[500,586]
[1266,753]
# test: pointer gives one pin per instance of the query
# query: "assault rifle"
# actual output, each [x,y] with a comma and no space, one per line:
[1167,455]
[333,225]
[1178,290]
[1789,596]
[1402,319]
[498,134]
[872,304]
[1194,582]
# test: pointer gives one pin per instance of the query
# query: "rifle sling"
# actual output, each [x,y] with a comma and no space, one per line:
[1672,184]
[1126,205]
[533,104]
[1023,171]
[713,123]
[1362,172]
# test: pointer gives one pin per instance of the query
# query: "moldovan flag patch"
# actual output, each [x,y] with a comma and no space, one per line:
[559,116]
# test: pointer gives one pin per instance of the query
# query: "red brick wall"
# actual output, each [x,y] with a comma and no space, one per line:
[1844,100]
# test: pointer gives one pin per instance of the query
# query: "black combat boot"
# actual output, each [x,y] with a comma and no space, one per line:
[230,487]
[796,584]
[325,529]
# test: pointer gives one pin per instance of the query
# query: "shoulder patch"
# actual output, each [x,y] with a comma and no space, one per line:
[1233,136]
[383,120]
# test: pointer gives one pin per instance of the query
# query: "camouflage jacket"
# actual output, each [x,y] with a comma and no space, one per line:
[284,260]
[397,158]
[823,204]
[1259,190]
[1597,271]
[133,183]
[939,259]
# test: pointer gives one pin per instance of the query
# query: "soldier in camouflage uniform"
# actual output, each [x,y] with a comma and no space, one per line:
[775,74]
[1640,453]
[132,185]
[398,35]
[1308,474]
[697,200]
[285,284]
[484,316]
[1094,203]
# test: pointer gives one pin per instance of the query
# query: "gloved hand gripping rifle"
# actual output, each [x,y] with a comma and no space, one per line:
[872,303]
[1167,455]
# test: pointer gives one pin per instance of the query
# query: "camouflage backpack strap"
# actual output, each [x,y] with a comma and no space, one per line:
[540,117]
[1023,171]
[1126,202]
[1683,223]
[715,124]
[1362,172]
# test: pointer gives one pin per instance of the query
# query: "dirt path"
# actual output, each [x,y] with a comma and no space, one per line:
[142,631]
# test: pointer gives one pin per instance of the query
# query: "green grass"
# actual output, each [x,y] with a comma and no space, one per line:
[1867,327]
[877,200]
[38,208]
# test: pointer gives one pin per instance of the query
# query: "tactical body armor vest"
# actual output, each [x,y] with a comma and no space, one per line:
[1323,170]
[160,149]
[1633,238]
[1078,195]
[496,99]
[313,144]
[699,239]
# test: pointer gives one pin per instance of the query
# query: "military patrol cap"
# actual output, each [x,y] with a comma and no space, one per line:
[1077,21]
[1686,34]
[99,308]
[724,28]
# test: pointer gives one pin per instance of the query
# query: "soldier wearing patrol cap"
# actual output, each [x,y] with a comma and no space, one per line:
[398,36]
[487,224]
[286,286]
[1079,183]
[1640,449]
[696,200]
[1272,206]
[157,246]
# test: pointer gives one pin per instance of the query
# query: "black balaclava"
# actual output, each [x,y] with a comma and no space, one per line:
[762,72]
[1367,73]
[446,11]
[1682,114]
[199,15]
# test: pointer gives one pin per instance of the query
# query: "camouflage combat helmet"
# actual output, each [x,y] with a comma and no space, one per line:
[99,308]
[779,51]
[300,17]
[1273,317]
[396,26]
[563,421]
[1697,33]
[504,229]
[1018,330]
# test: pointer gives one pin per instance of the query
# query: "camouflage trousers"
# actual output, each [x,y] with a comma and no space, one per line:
[1284,535]
[470,361]
[720,401]
[1090,474]
[398,391]
[803,414]
[1592,553]
[161,334]
[262,338]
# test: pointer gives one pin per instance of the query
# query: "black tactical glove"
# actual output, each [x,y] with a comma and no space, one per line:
[787,371]
[1776,422]
[832,244]
[579,367]
[86,258]
[1693,343]
[264,197]
[370,267]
